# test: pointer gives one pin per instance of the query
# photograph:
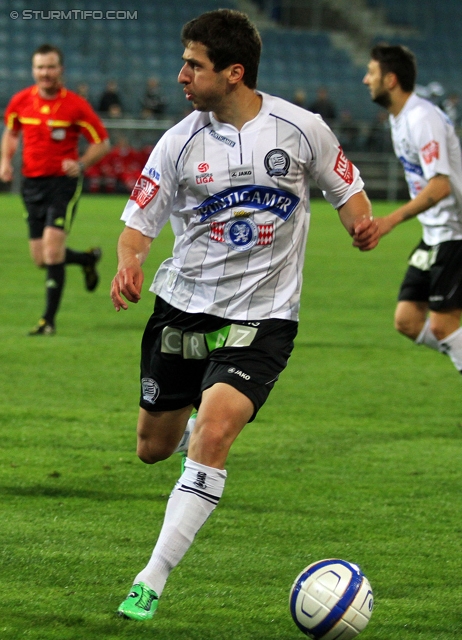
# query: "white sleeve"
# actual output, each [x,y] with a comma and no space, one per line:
[338,178]
[429,136]
[152,199]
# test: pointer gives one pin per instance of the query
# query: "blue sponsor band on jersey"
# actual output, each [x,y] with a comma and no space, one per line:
[410,167]
[279,201]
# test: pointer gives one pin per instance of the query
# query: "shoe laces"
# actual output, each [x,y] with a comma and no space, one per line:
[146,598]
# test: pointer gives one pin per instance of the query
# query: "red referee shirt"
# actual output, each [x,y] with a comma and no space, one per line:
[51,129]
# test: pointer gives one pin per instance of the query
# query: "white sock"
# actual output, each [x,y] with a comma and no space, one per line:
[452,345]
[427,338]
[194,497]
[184,442]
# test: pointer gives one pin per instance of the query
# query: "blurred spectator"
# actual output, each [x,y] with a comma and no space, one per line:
[110,102]
[152,103]
[83,90]
[115,111]
[299,98]
[119,170]
[379,138]
[451,108]
[348,132]
[324,105]
[435,93]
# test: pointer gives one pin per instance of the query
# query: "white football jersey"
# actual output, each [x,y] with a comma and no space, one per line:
[426,144]
[238,203]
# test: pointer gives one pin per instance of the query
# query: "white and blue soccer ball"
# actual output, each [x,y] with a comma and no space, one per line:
[331,600]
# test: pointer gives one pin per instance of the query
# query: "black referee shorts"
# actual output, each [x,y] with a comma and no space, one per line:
[50,202]
[182,354]
[434,275]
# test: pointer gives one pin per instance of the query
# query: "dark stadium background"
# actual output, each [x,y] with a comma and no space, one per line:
[306,44]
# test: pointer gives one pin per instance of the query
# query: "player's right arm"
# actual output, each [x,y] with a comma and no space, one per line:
[438,187]
[9,146]
[132,250]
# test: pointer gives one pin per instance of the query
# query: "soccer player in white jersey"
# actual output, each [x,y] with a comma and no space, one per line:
[430,299]
[232,178]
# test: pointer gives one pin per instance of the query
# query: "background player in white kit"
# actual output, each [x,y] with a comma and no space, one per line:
[430,299]
[232,178]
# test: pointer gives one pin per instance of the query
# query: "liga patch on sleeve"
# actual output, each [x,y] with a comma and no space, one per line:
[144,191]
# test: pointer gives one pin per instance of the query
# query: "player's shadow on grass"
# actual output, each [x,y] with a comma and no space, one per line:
[43,491]
[109,625]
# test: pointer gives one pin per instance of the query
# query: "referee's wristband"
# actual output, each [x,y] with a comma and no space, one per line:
[81,167]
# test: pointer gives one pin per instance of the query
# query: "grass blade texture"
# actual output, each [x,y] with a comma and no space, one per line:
[356,455]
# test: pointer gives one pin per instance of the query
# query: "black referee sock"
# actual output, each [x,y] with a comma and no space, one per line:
[78,257]
[54,285]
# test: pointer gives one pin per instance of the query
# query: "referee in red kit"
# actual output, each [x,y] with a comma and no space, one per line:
[51,119]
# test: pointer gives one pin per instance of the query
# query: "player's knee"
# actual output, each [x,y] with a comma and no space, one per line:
[440,330]
[406,327]
[215,438]
[53,257]
[150,453]
[38,260]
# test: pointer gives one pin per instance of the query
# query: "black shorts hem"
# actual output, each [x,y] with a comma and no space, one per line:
[170,381]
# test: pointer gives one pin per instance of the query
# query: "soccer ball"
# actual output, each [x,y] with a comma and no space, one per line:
[330,600]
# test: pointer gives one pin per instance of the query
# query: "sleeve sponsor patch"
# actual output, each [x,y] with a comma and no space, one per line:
[144,191]
[430,152]
[344,168]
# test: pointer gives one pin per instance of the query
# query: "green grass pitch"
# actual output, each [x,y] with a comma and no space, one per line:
[357,454]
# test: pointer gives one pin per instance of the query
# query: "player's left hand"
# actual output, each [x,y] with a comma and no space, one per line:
[71,168]
[366,234]
[127,282]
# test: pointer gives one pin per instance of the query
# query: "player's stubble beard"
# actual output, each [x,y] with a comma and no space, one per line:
[383,99]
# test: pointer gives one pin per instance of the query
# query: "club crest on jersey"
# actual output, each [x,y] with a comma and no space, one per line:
[242,234]
[144,191]
[277,163]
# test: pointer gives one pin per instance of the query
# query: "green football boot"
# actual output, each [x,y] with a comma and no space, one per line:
[183,455]
[140,604]
[182,448]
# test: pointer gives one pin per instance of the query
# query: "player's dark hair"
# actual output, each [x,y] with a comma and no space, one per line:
[49,48]
[230,38]
[399,60]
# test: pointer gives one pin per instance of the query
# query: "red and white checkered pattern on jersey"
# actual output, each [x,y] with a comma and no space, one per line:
[265,232]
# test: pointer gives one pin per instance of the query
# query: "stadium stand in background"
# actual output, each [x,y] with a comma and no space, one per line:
[306,44]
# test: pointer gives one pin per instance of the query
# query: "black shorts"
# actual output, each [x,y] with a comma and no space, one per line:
[50,202]
[434,275]
[182,354]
